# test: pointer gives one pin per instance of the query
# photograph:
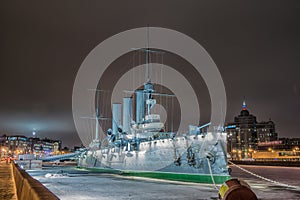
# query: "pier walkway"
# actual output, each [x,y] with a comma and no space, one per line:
[7,185]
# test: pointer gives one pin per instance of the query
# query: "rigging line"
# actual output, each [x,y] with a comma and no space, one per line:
[138,71]
[86,125]
[172,114]
[133,66]
[91,113]
[104,106]
[150,65]
[91,123]
[133,62]
[107,108]
[154,62]
[147,57]
[161,71]
[97,115]
[161,84]
[167,105]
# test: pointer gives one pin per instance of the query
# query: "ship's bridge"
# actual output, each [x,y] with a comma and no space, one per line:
[152,118]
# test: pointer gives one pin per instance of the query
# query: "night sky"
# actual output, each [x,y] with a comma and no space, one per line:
[255,44]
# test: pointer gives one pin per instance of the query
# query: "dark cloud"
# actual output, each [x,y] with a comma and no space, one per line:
[255,44]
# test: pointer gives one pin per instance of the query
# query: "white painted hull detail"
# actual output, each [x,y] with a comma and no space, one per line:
[189,154]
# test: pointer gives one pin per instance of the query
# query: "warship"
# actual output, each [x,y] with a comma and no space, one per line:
[142,147]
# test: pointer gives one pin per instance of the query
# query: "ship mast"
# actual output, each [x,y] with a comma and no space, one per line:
[97,124]
[147,58]
[148,87]
[144,97]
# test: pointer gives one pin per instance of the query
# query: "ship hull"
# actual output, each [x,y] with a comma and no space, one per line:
[191,158]
[172,176]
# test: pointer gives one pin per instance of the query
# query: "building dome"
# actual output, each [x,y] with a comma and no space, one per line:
[244,113]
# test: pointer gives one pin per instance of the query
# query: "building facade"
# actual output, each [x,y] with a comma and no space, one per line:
[284,149]
[12,146]
[245,132]
[45,147]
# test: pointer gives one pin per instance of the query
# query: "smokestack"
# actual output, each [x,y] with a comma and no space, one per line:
[140,107]
[116,122]
[127,113]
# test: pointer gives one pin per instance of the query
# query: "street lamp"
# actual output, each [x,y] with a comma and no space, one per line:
[269,149]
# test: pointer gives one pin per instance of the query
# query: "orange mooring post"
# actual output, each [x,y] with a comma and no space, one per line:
[235,189]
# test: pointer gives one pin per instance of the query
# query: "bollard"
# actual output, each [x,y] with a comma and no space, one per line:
[235,189]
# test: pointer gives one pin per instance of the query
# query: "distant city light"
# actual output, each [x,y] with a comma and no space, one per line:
[244,105]
[231,126]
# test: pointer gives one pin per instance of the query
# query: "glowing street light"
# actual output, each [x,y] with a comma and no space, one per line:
[269,149]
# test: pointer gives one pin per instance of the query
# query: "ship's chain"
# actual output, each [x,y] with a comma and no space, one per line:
[266,179]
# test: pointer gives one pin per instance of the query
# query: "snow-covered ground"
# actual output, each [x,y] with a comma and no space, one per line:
[72,183]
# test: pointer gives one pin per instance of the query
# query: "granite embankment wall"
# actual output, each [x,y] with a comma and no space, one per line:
[268,163]
[29,188]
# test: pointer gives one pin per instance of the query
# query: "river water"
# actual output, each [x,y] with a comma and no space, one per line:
[71,183]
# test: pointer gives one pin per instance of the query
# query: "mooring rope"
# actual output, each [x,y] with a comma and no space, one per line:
[264,178]
[211,174]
